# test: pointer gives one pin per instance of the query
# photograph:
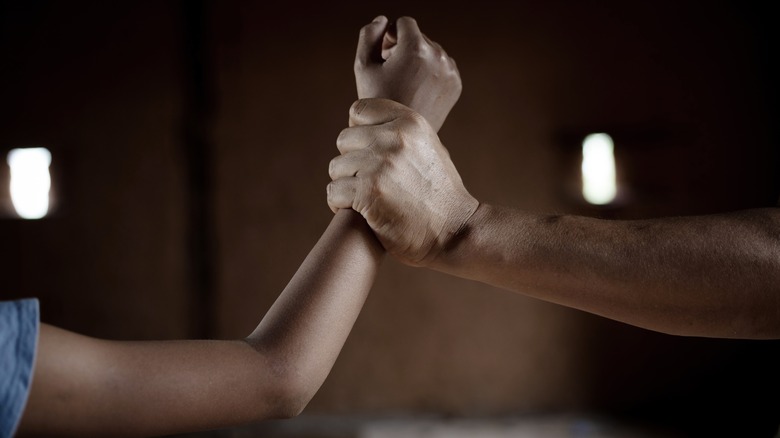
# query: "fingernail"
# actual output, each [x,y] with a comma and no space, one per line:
[378,18]
[361,105]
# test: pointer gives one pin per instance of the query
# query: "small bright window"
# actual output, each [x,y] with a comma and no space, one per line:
[599,184]
[30,181]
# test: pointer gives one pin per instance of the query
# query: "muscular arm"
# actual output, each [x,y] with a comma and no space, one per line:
[713,276]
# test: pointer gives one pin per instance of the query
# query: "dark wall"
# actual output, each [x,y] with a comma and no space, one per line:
[99,85]
[191,143]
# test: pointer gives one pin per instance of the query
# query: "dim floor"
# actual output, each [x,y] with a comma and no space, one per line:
[552,426]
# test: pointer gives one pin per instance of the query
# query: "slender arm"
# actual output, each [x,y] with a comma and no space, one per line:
[84,386]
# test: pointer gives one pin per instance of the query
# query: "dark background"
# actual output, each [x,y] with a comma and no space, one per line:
[190,144]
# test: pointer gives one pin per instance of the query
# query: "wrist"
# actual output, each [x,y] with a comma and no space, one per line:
[454,247]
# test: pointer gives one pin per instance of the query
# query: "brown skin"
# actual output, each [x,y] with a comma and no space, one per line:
[406,67]
[84,386]
[90,387]
[404,183]
[709,276]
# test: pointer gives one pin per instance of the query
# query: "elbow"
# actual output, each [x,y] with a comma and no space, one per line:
[292,388]
[288,382]
[291,400]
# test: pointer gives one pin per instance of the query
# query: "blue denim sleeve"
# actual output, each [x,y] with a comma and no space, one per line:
[19,322]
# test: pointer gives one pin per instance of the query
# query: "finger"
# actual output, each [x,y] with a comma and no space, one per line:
[437,48]
[408,31]
[369,49]
[454,65]
[342,166]
[389,41]
[341,193]
[390,37]
[346,165]
[356,138]
[358,163]
[375,111]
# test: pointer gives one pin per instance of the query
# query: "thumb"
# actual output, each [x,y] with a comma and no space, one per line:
[369,49]
[389,41]
[376,111]
[408,32]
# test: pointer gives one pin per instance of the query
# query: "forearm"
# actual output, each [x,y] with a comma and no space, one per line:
[304,330]
[84,386]
[90,387]
[713,275]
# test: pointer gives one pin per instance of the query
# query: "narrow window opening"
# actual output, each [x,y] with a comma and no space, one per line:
[30,181]
[599,183]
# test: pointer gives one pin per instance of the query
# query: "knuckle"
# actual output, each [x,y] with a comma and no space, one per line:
[420,49]
[456,83]
[407,20]
[357,107]
[387,142]
[363,200]
[413,121]
[365,30]
[341,139]
[332,169]
[330,190]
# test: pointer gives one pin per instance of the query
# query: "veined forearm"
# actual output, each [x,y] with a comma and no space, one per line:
[715,275]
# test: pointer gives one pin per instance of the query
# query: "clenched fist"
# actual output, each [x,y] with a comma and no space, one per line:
[396,173]
[400,63]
